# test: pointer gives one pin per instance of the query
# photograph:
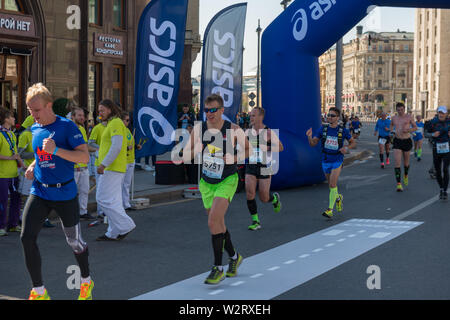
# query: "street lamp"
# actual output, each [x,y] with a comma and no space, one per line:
[258,31]
[285,3]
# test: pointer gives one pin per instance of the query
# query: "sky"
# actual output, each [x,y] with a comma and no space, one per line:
[381,19]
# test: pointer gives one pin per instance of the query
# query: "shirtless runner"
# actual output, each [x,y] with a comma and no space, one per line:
[404,125]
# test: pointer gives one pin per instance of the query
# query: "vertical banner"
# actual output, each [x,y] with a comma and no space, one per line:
[223,47]
[159,54]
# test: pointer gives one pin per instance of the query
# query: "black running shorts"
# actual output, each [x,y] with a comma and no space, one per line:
[403,144]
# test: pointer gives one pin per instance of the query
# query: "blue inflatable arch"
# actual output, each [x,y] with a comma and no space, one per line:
[291,45]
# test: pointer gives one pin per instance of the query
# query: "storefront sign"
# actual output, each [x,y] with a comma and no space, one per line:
[106,45]
[17,25]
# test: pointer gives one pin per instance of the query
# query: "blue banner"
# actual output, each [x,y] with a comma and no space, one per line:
[223,47]
[159,54]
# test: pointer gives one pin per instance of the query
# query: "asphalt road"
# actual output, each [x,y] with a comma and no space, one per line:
[172,243]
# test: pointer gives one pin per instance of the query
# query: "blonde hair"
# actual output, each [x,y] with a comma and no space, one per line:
[40,91]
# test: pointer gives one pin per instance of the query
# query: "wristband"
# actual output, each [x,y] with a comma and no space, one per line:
[54,152]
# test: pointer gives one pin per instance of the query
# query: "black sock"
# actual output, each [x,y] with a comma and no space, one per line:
[381,157]
[406,170]
[387,155]
[218,244]
[83,262]
[252,207]
[229,245]
[398,174]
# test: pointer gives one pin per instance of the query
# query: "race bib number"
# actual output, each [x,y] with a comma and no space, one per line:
[332,143]
[382,141]
[213,167]
[419,130]
[442,147]
[357,130]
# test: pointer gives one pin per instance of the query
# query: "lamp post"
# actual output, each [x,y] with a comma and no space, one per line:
[285,3]
[258,31]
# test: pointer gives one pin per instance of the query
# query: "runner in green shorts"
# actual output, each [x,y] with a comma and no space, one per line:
[217,140]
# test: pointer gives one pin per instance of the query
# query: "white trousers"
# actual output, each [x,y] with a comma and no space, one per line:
[99,210]
[82,181]
[109,198]
[126,185]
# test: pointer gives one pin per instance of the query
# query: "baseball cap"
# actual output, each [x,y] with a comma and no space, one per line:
[442,109]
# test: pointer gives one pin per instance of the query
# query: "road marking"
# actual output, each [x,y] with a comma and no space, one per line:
[3,297]
[329,245]
[333,232]
[287,275]
[416,208]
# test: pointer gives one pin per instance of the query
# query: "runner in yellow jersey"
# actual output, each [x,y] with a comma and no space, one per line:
[130,163]
[112,158]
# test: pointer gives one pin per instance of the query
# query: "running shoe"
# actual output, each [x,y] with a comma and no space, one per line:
[15,229]
[387,161]
[382,165]
[233,266]
[328,213]
[86,291]
[277,205]
[445,195]
[254,226]
[441,195]
[215,276]
[3,233]
[405,180]
[339,203]
[399,187]
[35,296]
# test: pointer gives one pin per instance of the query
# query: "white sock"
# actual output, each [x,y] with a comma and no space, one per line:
[86,280]
[235,256]
[39,290]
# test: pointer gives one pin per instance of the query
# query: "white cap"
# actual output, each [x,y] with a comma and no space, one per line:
[442,109]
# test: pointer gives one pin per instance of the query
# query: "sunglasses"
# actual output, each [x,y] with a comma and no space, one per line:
[331,115]
[211,110]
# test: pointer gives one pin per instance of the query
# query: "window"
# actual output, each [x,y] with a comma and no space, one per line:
[11,5]
[119,14]
[380,47]
[380,71]
[380,83]
[118,85]
[380,59]
[406,47]
[95,12]
[94,86]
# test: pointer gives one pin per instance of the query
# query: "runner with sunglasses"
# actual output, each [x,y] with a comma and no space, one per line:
[217,139]
[332,136]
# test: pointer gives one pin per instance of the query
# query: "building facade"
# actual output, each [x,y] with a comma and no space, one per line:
[377,72]
[83,50]
[432,61]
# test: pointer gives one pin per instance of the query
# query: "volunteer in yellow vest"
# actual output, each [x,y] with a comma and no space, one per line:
[81,169]
[27,154]
[9,181]
[112,158]
[130,163]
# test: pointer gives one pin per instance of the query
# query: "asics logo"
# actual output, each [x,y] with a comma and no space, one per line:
[157,121]
[317,10]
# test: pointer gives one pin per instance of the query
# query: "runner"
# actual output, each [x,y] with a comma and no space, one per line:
[404,124]
[418,138]
[57,145]
[384,138]
[440,133]
[332,137]
[258,171]
[355,128]
[216,140]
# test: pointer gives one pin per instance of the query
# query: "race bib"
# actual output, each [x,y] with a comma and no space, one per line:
[382,141]
[256,157]
[419,130]
[332,143]
[442,147]
[357,130]
[213,167]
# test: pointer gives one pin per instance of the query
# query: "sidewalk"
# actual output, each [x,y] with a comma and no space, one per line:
[145,187]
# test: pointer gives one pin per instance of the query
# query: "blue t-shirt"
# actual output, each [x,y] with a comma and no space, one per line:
[330,150]
[356,125]
[419,132]
[381,127]
[52,169]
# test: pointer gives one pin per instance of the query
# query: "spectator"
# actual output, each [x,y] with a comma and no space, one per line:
[10,161]
[185,117]
[130,163]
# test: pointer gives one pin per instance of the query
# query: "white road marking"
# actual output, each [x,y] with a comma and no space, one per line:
[273,268]
[329,245]
[256,275]
[216,292]
[238,283]
[333,232]
[317,250]
[289,262]
[416,208]
[304,255]
[380,235]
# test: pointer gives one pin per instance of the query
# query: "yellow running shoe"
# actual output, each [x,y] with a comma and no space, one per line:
[35,296]
[328,213]
[399,187]
[86,291]
[339,203]
[405,180]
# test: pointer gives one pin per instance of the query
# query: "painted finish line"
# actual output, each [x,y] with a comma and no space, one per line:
[275,271]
